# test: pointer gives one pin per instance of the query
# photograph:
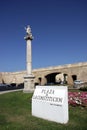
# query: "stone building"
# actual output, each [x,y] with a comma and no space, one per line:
[69,72]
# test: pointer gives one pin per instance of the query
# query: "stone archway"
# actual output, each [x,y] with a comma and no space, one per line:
[74,77]
[56,78]
[39,80]
[51,78]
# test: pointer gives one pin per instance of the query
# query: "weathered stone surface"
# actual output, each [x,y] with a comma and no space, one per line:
[79,70]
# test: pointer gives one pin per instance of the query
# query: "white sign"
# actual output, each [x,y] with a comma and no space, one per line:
[51,103]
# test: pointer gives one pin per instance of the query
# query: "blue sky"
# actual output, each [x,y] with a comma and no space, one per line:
[59,28]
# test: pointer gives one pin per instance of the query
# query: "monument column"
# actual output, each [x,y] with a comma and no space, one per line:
[29,78]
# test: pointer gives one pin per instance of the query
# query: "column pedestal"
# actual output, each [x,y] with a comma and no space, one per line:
[28,84]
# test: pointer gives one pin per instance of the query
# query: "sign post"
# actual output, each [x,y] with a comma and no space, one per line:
[51,103]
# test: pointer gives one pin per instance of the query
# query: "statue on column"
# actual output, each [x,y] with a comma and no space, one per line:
[28,32]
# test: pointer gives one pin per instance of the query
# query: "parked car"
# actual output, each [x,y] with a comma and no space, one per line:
[4,87]
[78,83]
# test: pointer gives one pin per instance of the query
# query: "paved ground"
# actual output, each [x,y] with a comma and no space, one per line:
[8,91]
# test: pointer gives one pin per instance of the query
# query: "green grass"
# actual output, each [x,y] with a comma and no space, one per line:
[15,114]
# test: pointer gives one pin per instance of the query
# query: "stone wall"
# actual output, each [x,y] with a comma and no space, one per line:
[79,69]
[14,77]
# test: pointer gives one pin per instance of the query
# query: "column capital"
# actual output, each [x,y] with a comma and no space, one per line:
[28,37]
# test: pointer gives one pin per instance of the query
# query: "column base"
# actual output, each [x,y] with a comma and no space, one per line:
[28,84]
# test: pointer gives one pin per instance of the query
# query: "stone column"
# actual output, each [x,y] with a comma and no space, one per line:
[43,81]
[29,78]
[70,80]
